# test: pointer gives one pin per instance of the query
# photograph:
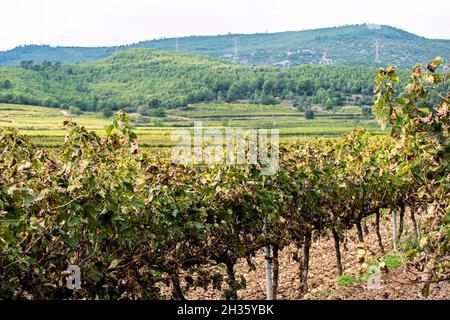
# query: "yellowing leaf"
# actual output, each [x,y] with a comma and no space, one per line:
[361,252]
[433,65]
[114,264]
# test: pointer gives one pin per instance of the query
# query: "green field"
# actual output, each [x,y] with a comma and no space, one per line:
[45,125]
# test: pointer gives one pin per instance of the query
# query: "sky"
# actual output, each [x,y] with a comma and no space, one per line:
[115,22]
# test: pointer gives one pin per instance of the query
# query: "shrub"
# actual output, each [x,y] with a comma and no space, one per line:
[309,114]
[160,112]
[75,111]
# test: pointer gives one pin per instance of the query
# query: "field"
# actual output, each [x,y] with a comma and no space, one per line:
[45,125]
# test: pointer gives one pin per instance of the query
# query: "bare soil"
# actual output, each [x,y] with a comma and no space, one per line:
[397,284]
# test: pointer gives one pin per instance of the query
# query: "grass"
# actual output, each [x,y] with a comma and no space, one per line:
[391,260]
[15,109]
[217,110]
[44,125]
[323,293]
[347,280]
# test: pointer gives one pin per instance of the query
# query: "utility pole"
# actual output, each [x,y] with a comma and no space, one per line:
[377,51]
[116,41]
[235,55]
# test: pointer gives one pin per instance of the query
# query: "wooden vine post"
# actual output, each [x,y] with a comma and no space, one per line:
[268,266]
[394,229]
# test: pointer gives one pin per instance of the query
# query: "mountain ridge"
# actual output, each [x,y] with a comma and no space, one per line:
[344,45]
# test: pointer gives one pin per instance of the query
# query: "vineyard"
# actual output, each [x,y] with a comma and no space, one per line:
[44,125]
[138,224]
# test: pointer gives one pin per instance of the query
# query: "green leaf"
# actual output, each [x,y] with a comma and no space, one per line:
[109,129]
[74,221]
[70,241]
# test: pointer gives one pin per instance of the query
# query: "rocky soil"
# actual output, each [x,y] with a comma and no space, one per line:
[397,284]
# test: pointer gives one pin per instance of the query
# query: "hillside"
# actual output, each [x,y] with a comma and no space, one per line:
[367,45]
[136,77]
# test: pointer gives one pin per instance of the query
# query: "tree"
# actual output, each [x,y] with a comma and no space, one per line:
[26,64]
[179,81]
[107,113]
[309,114]
[267,100]
[75,111]
[160,112]
[155,102]
[6,84]
[144,110]
[366,111]
[329,103]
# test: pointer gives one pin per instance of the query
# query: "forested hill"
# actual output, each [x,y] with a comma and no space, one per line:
[369,45]
[132,78]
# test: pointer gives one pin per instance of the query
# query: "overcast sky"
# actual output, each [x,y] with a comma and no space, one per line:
[110,22]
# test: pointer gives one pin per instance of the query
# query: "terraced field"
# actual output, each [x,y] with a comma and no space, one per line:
[46,124]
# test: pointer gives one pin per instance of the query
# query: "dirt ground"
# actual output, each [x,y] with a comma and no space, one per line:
[323,283]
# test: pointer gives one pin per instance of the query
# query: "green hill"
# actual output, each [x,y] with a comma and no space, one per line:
[367,45]
[132,78]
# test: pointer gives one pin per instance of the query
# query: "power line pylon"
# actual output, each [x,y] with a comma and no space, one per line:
[377,51]
[235,55]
